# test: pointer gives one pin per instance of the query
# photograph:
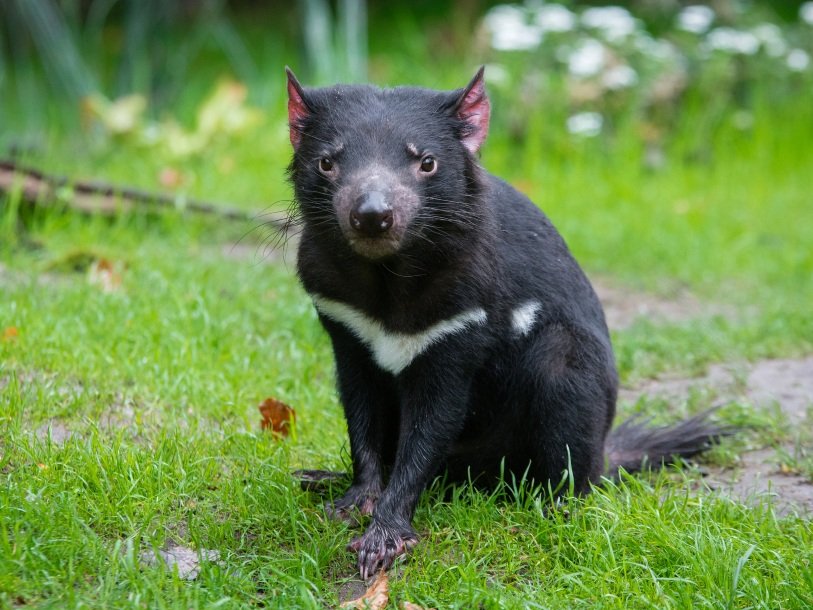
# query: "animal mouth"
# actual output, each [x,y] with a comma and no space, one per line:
[374,247]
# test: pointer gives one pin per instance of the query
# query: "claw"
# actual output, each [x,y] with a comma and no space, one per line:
[378,548]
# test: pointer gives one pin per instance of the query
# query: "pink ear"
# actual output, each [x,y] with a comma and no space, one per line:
[297,108]
[473,108]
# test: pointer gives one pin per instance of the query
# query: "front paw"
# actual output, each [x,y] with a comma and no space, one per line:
[378,547]
[356,502]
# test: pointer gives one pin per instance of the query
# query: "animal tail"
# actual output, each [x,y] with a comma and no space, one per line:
[634,445]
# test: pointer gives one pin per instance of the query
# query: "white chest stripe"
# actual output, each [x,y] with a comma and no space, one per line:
[524,316]
[394,351]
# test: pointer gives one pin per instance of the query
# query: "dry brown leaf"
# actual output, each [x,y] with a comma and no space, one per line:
[411,606]
[105,274]
[277,416]
[376,597]
[10,333]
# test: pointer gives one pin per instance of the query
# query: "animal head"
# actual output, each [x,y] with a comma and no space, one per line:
[387,169]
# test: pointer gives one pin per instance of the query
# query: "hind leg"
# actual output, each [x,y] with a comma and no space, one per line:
[573,387]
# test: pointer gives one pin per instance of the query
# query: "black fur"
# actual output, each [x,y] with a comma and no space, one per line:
[484,396]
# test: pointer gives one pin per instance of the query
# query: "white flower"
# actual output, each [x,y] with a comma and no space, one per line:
[555,18]
[616,23]
[587,124]
[657,48]
[588,59]
[619,77]
[510,30]
[806,12]
[798,60]
[770,35]
[696,19]
[733,41]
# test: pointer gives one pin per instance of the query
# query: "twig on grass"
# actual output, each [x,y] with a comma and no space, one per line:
[39,188]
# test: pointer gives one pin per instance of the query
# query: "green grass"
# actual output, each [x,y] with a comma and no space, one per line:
[158,384]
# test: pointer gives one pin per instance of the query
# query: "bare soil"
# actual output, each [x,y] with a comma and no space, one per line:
[55,430]
[185,560]
[785,384]
[624,306]
[760,474]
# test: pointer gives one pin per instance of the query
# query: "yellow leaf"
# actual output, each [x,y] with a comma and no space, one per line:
[225,112]
[121,116]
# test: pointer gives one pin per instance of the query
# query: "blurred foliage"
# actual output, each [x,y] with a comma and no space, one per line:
[223,113]
[154,63]
[601,71]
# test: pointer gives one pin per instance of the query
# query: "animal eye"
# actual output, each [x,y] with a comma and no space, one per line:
[326,164]
[428,164]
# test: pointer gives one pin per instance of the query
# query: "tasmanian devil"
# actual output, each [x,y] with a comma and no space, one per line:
[467,340]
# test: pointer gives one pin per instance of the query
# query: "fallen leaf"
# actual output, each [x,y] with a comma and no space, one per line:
[411,606]
[376,597]
[10,333]
[277,416]
[787,469]
[105,275]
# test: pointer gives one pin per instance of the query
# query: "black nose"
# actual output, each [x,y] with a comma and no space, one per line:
[371,215]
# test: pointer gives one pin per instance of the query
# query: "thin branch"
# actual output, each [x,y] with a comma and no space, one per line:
[43,189]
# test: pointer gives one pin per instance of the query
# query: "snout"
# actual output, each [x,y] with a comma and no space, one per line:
[374,207]
[371,214]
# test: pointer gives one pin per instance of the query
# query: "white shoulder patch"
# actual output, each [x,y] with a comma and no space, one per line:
[524,316]
[394,351]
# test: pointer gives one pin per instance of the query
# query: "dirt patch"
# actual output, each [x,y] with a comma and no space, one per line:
[352,588]
[56,431]
[46,419]
[185,560]
[120,414]
[759,475]
[624,306]
[787,383]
